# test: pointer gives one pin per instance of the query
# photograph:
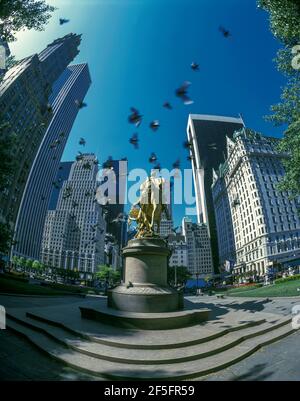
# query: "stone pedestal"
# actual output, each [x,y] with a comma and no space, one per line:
[145,288]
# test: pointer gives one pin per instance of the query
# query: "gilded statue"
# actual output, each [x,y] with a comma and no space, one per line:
[148,210]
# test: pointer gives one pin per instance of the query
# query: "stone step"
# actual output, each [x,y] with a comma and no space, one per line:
[170,371]
[156,340]
[144,357]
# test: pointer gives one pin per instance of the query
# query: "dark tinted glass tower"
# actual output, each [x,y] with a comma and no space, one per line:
[24,106]
[118,230]
[207,135]
[72,85]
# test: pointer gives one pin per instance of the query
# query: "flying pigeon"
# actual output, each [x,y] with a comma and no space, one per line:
[182,93]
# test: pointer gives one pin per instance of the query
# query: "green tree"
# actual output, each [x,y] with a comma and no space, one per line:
[16,15]
[108,273]
[7,144]
[208,281]
[5,238]
[28,264]
[15,261]
[7,147]
[36,266]
[182,275]
[22,262]
[285,25]
[103,272]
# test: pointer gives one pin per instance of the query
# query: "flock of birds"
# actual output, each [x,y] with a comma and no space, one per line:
[135,118]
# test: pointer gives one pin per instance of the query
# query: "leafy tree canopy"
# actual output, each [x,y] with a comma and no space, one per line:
[16,15]
[182,275]
[285,25]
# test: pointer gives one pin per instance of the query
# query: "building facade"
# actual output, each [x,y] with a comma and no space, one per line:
[72,85]
[25,109]
[74,233]
[265,221]
[207,138]
[226,242]
[178,246]
[115,171]
[199,254]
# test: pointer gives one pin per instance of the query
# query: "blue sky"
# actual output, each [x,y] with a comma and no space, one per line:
[140,51]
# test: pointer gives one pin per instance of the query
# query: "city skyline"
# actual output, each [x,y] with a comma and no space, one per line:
[127,75]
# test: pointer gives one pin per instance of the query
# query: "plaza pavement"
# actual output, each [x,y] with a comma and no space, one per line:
[279,361]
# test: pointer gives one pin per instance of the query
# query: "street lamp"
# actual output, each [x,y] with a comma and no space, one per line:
[197,275]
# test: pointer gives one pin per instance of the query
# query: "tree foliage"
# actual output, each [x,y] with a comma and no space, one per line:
[284,19]
[5,238]
[7,143]
[108,273]
[16,15]
[182,275]
[285,25]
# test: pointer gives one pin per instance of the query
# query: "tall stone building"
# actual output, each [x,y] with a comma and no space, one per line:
[199,255]
[70,87]
[207,137]
[24,108]
[74,233]
[264,221]
[179,256]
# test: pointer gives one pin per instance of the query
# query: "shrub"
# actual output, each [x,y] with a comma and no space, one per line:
[284,280]
[17,277]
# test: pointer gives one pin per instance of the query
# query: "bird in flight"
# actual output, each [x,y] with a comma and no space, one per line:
[134,140]
[195,66]
[213,146]
[225,32]
[121,218]
[49,108]
[167,106]
[135,117]
[80,104]
[87,166]
[176,165]
[108,163]
[187,145]
[63,21]
[56,186]
[154,125]
[153,158]
[182,91]
[174,230]
[79,157]
[82,141]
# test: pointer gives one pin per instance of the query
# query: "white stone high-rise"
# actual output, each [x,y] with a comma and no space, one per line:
[265,222]
[178,246]
[199,254]
[74,233]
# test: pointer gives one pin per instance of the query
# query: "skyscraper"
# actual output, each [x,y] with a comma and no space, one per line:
[199,255]
[71,86]
[62,175]
[265,222]
[207,136]
[226,243]
[115,208]
[179,256]
[74,233]
[24,98]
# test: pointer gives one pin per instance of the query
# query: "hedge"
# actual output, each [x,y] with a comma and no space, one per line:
[284,280]
[11,276]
